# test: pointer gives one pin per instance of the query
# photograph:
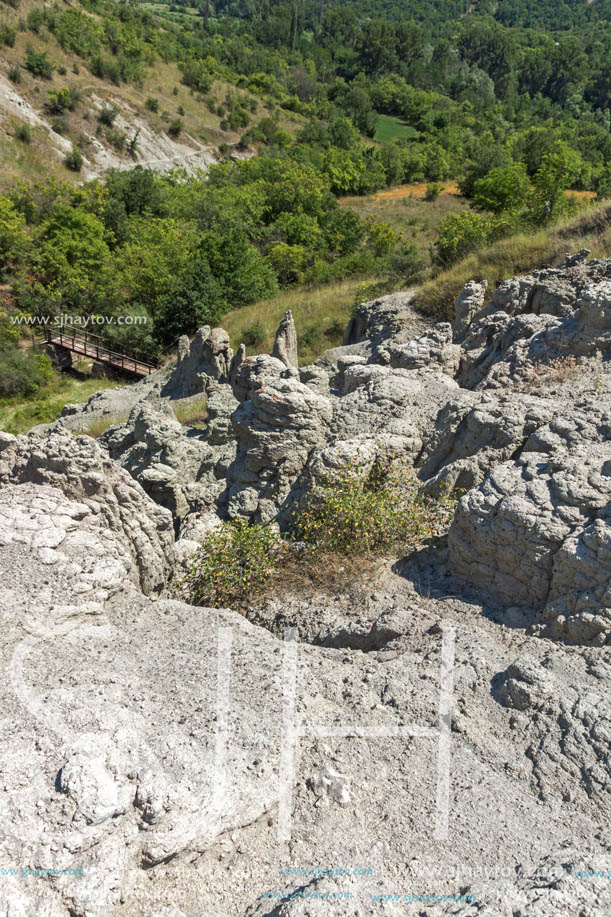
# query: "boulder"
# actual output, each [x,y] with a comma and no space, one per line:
[278,426]
[536,530]
[78,467]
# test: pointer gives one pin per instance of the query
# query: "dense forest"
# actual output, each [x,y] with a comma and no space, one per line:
[511,99]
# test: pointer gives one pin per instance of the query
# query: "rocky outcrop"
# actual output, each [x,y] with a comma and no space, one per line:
[206,358]
[278,426]
[537,531]
[433,348]
[83,472]
[146,740]
[150,740]
[466,307]
[184,473]
[494,405]
[388,319]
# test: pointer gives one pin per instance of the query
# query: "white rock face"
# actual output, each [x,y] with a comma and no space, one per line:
[111,755]
[83,471]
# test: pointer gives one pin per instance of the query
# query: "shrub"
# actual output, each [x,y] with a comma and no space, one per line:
[14,75]
[65,99]
[133,144]
[7,36]
[233,563]
[253,335]
[175,128]
[105,69]
[404,264]
[60,124]
[38,64]
[433,190]
[12,233]
[23,133]
[22,373]
[116,139]
[152,104]
[108,115]
[364,510]
[74,159]
[311,336]
[501,189]
[461,233]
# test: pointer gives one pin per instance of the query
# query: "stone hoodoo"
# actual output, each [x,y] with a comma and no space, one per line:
[285,344]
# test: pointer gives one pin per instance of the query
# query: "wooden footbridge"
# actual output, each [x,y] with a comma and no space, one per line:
[92,346]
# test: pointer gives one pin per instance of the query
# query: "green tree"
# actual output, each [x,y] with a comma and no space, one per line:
[194,299]
[502,189]
[559,169]
[12,234]
[461,233]
[239,268]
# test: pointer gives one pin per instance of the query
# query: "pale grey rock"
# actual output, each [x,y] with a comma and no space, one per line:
[389,318]
[285,343]
[83,472]
[181,468]
[466,307]
[523,533]
[474,435]
[393,402]
[208,358]
[278,426]
[434,348]
[328,783]
[255,372]
[91,778]
[525,686]
[111,764]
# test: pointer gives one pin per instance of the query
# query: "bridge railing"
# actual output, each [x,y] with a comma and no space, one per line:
[92,345]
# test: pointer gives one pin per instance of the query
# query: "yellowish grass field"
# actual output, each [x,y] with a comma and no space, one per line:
[320,314]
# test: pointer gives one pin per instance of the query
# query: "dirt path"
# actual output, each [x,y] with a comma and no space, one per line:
[419,190]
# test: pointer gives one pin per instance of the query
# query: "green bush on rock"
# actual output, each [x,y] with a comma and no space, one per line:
[235,561]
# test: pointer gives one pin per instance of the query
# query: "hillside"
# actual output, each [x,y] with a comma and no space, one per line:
[151,119]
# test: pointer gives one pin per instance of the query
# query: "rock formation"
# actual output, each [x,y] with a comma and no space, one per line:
[285,343]
[144,740]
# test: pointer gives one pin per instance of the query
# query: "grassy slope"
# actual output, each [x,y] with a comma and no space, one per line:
[17,415]
[519,254]
[320,314]
[40,158]
[408,212]
[389,128]
[329,307]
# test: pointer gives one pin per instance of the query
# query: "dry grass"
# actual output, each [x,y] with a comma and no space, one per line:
[518,254]
[102,424]
[558,370]
[408,212]
[191,412]
[328,574]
